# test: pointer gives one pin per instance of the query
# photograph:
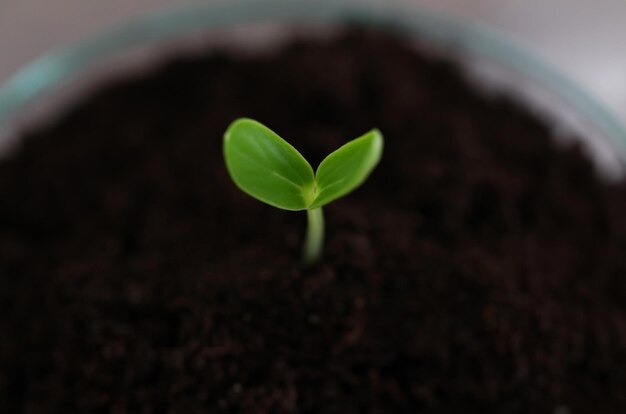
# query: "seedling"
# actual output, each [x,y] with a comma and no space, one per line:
[268,168]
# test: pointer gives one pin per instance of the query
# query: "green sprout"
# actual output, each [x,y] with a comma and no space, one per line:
[268,168]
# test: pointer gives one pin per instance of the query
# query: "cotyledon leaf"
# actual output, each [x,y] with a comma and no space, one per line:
[267,167]
[347,168]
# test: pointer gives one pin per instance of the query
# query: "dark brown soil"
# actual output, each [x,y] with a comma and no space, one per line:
[481,269]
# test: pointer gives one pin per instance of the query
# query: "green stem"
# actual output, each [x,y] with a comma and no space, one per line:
[314,236]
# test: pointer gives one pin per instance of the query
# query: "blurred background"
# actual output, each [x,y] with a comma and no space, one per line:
[585,39]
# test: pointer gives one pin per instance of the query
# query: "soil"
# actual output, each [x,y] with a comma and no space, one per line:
[481,268]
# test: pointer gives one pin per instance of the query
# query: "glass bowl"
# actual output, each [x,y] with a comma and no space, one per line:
[46,86]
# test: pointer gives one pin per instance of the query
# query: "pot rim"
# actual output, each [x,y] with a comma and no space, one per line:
[58,67]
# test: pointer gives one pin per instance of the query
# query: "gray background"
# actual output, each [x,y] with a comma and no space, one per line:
[586,39]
